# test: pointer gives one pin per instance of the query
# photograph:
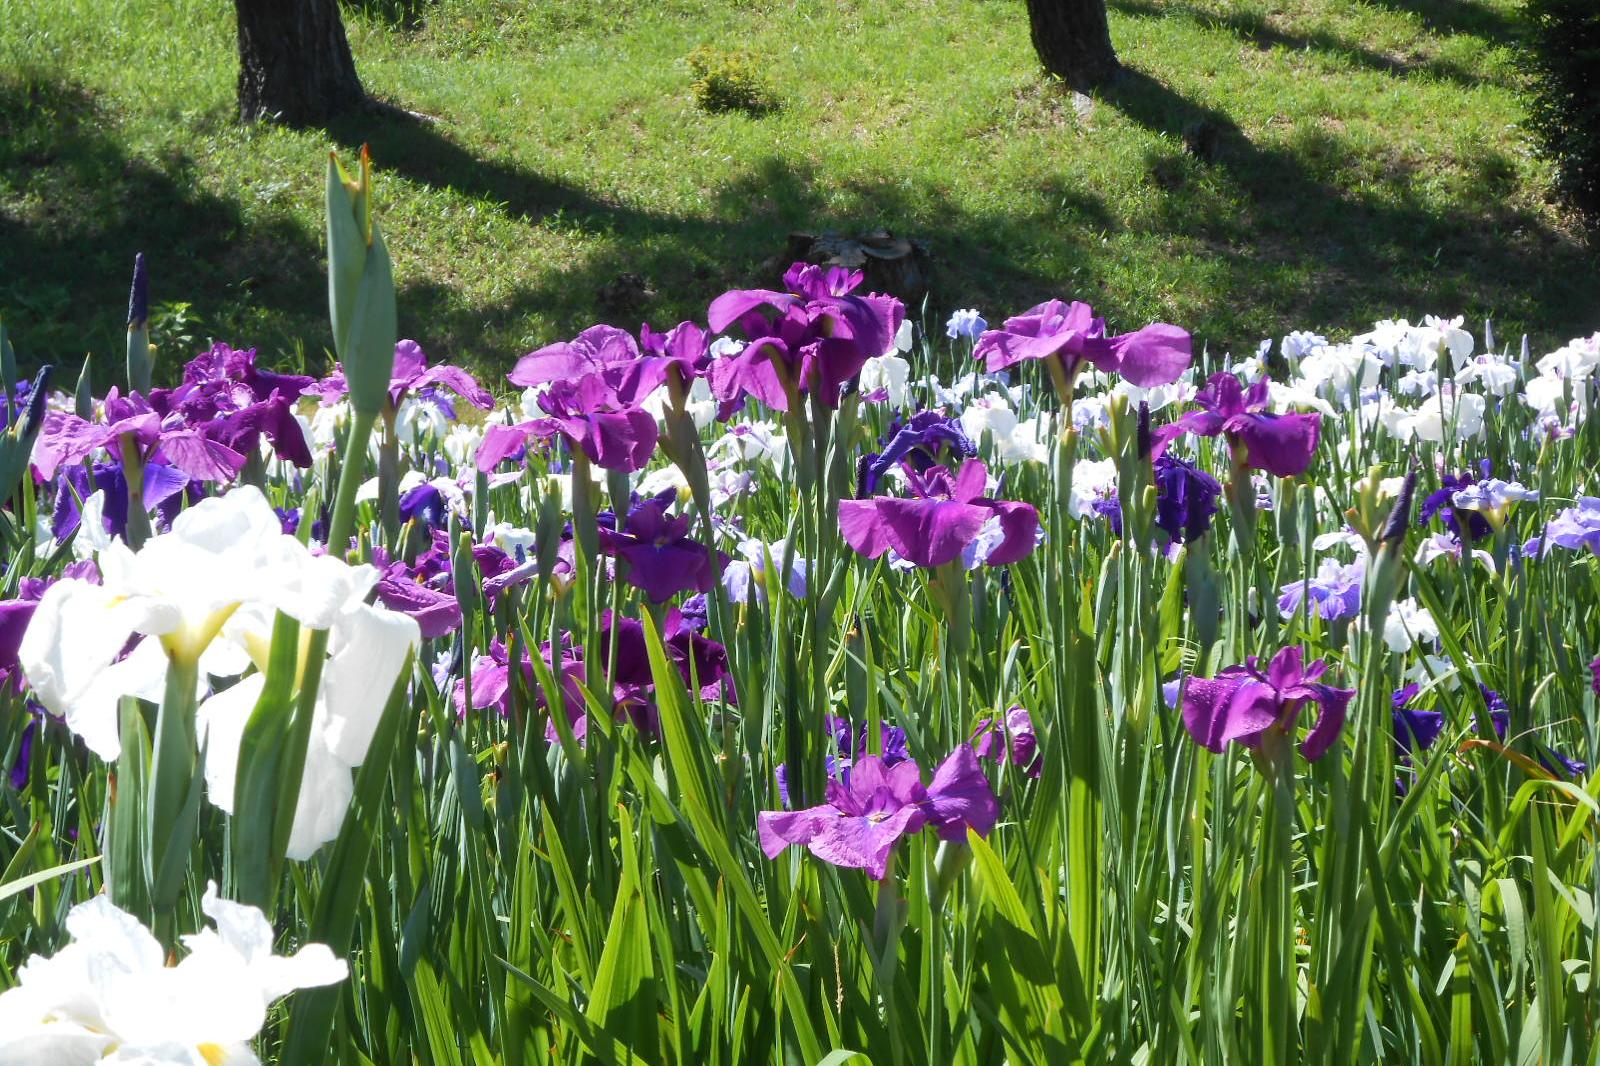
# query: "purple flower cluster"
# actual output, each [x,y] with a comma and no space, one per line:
[1245,703]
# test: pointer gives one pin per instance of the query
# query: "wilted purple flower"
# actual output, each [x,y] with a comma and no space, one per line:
[661,558]
[1154,355]
[411,373]
[946,515]
[1577,527]
[1594,675]
[1279,444]
[865,817]
[817,336]
[1243,703]
[965,322]
[990,741]
[1334,593]
[1186,499]
[921,442]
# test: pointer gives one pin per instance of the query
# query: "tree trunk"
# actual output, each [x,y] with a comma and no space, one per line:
[294,61]
[1073,41]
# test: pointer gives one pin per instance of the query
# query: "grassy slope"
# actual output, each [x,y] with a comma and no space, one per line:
[1370,163]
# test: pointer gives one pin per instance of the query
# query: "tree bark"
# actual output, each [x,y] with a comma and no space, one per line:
[1073,41]
[294,62]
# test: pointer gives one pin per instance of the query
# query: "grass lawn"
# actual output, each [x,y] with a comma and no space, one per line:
[1369,162]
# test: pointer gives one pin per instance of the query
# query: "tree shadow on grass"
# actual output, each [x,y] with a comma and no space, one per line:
[686,260]
[87,206]
[1253,28]
[1284,235]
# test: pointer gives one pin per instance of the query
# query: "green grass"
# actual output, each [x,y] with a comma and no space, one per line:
[1371,162]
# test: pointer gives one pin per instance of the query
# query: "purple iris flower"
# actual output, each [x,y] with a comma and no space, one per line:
[17,778]
[411,374]
[944,517]
[815,336]
[424,589]
[1442,502]
[610,357]
[1416,729]
[1186,499]
[661,558]
[222,381]
[925,440]
[850,743]
[1594,675]
[990,741]
[1334,592]
[1155,355]
[867,815]
[1243,703]
[1279,444]
[1577,527]
[592,415]
[162,483]
[425,504]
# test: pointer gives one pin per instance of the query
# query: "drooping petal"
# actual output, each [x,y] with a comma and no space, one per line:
[368,649]
[1281,445]
[930,532]
[1210,715]
[219,727]
[1332,704]
[863,528]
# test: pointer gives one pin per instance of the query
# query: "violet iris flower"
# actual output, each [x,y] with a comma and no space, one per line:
[411,373]
[925,440]
[817,336]
[423,589]
[990,741]
[608,355]
[943,518]
[1244,703]
[1279,444]
[222,381]
[163,485]
[1594,675]
[1334,592]
[1577,527]
[867,815]
[1155,355]
[661,558]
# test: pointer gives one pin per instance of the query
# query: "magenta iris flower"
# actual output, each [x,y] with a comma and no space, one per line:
[944,517]
[656,552]
[606,354]
[867,815]
[1154,355]
[1244,703]
[815,336]
[411,374]
[1279,444]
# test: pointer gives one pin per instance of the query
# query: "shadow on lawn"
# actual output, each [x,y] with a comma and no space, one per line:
[1305,248]
[1253,28]
[67,245]
[687,260]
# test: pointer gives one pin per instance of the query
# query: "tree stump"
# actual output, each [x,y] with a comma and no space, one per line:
[900,266]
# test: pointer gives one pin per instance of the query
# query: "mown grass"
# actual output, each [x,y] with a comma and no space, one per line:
[1362,158]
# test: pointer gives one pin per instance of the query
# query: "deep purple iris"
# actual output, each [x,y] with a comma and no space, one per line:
[930,437]
[867,815]
[1070,333]
[163,492]
[944,516]
[1441,503]
[816,336]
[1186,499]
[658,554]
[1279,444]
[1244,703]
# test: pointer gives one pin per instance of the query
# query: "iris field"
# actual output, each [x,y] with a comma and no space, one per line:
[804,684]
